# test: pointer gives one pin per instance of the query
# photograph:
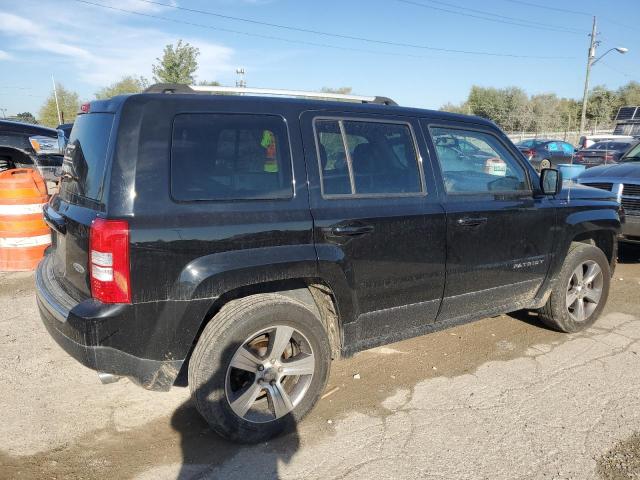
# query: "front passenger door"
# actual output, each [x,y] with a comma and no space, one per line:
[499,236]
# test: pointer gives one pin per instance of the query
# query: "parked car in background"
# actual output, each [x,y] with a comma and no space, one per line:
[226,237]
[603,153]
[623,179]
[586,141]
[543,153]
[23,145]
[464,149]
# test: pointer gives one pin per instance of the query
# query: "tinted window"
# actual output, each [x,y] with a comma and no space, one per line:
[567,148]
[85,157]
[633,155]
[620,145]
[379,158]
[491,168]
[553,147]
[383,157]
[230,157]
[333,159]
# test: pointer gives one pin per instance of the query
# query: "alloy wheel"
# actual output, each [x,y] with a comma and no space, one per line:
[584,290]
[269,374]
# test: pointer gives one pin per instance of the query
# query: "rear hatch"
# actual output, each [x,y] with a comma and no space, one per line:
[79,201]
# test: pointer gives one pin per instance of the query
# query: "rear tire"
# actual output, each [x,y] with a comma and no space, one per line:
[244,389]
[580,291]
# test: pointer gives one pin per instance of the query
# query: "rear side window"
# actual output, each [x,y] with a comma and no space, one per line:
[367,158]
[230,157]
[83,167]
[567,148]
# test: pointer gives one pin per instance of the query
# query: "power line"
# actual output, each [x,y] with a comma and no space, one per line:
[574,12]
[546,7]
[616,70]
[489,19]
[304,42]
[524,21]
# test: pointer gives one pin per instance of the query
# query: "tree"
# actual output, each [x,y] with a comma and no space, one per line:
[127,84]
[453,108]
[209,83]
[69,105]
[628,95]
[177,65]
[546,117]
[26,117]
[602,106]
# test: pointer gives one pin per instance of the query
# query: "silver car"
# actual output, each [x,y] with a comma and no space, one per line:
[622,178]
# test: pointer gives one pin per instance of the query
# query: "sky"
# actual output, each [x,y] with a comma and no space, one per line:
[421,53]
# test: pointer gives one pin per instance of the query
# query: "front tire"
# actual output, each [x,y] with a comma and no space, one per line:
[580,291]
[259,367]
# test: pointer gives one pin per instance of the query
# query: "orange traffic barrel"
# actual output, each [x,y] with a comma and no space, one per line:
[23,233]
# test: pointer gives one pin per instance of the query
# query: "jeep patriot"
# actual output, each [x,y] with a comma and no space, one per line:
[239,243]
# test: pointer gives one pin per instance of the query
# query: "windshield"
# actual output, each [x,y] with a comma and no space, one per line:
[633,155]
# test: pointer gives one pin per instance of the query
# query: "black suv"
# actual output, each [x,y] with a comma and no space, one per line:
[240,243]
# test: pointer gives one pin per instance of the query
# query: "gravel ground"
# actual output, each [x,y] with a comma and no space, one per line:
[502,398]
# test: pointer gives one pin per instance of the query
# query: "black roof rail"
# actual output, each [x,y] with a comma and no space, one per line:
[177,88]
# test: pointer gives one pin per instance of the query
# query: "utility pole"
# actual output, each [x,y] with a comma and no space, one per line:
[240,80]
[590,58]
[4,113]
[55,94]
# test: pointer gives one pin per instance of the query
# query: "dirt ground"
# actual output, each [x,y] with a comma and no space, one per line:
[501,398]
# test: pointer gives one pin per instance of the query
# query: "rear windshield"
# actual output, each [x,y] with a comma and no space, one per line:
[85,157]
[230,157]
[610,146]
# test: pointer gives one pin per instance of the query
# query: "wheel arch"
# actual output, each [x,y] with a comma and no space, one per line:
[314,293]
[604,239]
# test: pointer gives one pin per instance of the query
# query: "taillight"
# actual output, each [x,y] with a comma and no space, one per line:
[109,261]
[529,153]
[85,107]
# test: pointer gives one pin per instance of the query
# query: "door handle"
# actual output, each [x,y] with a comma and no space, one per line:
[472,221]
[348,230]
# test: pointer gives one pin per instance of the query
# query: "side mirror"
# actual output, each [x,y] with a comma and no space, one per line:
[550,181]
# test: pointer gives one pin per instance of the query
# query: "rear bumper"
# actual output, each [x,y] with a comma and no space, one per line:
[86,331]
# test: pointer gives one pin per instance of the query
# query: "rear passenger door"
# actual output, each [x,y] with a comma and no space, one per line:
[499,236]
[379,229]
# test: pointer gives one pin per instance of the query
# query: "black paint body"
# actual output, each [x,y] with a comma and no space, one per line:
[416,270]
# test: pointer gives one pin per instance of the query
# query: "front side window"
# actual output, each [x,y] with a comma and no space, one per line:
[230,157]
[367,158]
[490,168]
